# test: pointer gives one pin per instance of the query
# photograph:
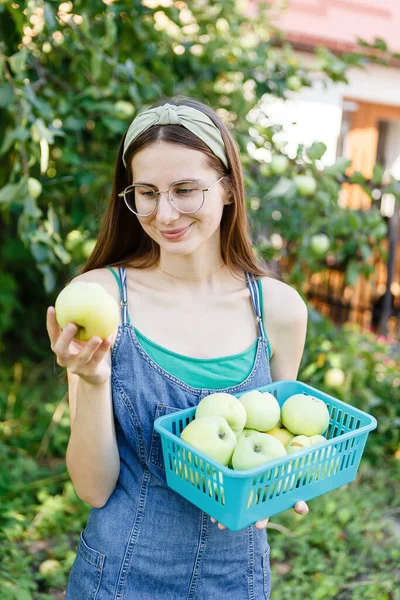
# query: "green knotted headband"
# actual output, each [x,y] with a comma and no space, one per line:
[191,118]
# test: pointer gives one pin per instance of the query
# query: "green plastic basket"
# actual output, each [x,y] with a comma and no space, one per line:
[240,498]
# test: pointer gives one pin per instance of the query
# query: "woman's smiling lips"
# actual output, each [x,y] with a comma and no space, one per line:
[174,234]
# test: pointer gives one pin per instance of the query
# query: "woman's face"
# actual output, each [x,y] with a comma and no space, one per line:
[164,163]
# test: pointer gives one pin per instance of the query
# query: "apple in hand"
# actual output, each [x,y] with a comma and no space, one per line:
[211,435]
[93,310]
[255,450]
[262,410]
[303,414]
[281,434]
[223,405]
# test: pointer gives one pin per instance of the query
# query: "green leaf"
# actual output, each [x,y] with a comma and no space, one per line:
[380,44]
[339,168]
[114,125]
[377,174]
[21,594]
[49,278]
[62,254]
[8,193]
[40,252]
[18,61]
[8,141]
[366,251]
[6,94]
[316,151]
[31,208]
[284,187]
[49,17]
[357,177]
[96,63]
[353,272]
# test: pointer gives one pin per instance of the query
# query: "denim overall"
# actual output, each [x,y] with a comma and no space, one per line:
[148,542]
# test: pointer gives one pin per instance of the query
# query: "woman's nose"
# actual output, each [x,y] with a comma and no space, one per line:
[166,211]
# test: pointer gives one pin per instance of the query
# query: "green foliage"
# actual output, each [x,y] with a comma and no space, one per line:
[73,76]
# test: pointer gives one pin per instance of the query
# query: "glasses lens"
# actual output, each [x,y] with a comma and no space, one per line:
[141,199]
[187,196]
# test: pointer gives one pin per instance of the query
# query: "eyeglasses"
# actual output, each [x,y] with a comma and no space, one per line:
[186,196]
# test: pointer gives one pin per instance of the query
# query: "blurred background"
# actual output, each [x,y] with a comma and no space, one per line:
[310,91]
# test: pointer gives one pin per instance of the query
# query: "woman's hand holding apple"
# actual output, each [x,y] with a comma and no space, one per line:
[300,507]
[85,359]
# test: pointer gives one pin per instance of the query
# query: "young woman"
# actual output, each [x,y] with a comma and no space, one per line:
[174,251]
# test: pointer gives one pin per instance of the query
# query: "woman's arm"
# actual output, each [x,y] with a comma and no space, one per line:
[92,454]
[285,323]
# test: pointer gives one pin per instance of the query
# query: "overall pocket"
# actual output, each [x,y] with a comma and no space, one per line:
[156,454]
[85,577]
[266,573]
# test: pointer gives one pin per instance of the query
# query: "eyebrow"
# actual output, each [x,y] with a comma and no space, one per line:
[199,181]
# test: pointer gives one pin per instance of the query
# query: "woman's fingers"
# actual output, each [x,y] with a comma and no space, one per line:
[84,357]
[53,328]
[220,526]
[262,524]
[301,508]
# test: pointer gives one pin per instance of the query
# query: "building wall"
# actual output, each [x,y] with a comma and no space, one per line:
[317,111]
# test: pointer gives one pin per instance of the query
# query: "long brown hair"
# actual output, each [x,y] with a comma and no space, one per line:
[123,242]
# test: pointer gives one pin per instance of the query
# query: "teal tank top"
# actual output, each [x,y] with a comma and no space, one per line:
[211,373]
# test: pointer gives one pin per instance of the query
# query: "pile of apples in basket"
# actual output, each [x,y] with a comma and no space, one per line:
[247,432]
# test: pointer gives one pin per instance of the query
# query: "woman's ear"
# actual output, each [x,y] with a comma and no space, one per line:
[228,198]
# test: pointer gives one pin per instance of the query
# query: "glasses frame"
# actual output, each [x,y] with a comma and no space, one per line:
[158,194]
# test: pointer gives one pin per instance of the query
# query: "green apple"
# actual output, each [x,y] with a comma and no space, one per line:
[327,454]
[320,244]
[334,378]
[50,567]
[189,474]
[298,443]
[73,240]
[211,435]
[303,414]
[288,480]
[294,83]
[279,164]
[93,310]
[246,433]
[255,450]
[317,439]
[302,441]
[281,434]
[262,410]
[88,247]
[223,405]
[34,187]
[306,185]
[188,471]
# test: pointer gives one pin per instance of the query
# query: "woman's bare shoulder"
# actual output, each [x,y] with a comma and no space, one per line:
[282,303]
